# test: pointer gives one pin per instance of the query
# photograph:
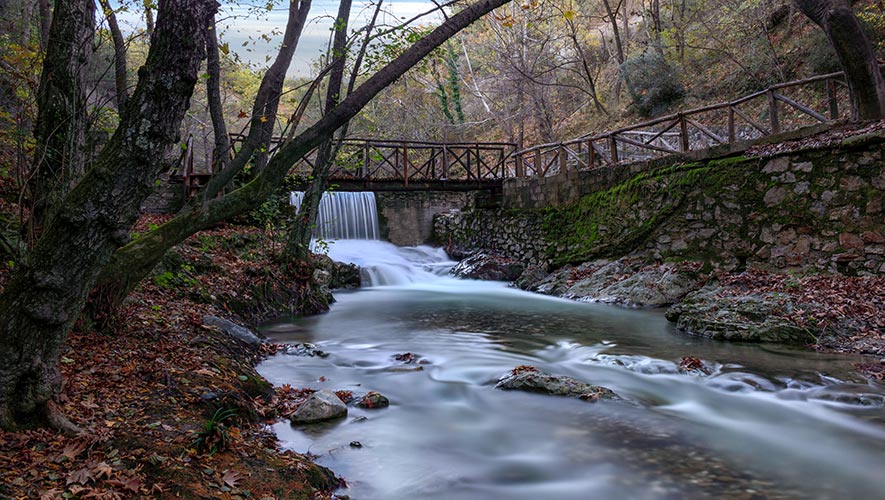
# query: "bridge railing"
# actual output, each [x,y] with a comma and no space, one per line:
[776,109]
[374,160]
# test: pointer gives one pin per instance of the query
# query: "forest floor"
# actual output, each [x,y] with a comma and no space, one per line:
[150,386]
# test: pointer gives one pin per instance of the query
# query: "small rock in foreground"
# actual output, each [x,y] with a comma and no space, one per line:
[373,400]
[530,379]
[320,406]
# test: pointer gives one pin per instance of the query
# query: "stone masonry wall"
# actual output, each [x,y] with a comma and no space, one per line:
[515,234]
[816,209]
[406,218]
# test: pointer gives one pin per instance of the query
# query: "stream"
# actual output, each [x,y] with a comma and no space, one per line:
[770,421]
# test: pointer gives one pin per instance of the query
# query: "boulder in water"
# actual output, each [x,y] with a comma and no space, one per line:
[320,406]
[712,313]
[490,267]
[530,379]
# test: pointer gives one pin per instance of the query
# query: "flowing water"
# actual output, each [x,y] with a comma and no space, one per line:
[770,421]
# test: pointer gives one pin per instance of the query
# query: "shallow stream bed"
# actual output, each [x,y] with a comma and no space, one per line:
[768,422]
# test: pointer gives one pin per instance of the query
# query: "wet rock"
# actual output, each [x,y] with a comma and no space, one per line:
[373,400]
[410,358]
[336,275]
[693,366]
[750,318]
[233,329]
[530,379]
[489,267]
[618,283]
[305,349]
[532,276]
[356,444]
[320,406]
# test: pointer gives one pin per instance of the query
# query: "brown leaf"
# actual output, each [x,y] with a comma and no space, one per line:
[80,476]
[71,451]
[232,478]
[131,483]
[52,494]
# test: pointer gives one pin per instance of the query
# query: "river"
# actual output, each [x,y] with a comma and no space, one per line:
[770,421]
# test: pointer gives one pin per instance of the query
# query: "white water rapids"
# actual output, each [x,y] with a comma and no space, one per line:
[769,422]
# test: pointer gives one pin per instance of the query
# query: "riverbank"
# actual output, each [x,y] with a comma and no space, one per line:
[169,406]
[823,312]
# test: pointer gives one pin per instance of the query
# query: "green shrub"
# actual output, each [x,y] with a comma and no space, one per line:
[652,83]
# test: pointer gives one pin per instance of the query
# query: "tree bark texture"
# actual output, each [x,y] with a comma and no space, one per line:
[61,102]
[855,52]
[136,260]
[45,296]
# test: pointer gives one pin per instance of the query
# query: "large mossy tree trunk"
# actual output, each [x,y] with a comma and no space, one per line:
[855,52]
[45,296]
[135,261]
[61,103]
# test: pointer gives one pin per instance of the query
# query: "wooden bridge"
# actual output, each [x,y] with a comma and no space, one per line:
[378,165]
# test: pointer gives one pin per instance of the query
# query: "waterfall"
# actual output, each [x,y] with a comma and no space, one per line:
[344,215]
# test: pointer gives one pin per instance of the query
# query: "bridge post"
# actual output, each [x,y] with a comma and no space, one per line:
[538,162]
[772,112]
[683,134]
[520,166]
[831,99]
[405,165]
[613,144]
[366,160]
[731,132]
[563,159]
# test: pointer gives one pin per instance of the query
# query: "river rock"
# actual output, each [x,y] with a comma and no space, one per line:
[530,379]
[373,400]
[531,277]
[233,329]
[616,283]
[340,274]
[749,318]
[320,406]
[490,267]
[305,349]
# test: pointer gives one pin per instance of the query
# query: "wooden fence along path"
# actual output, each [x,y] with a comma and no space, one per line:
[776,109]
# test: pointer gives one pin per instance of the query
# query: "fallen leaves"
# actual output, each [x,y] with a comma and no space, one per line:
[136,391]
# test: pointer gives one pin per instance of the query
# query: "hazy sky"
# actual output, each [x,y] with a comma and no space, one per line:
[238,25]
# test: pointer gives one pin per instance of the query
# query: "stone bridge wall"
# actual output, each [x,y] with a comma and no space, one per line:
[406,217]
[818,208]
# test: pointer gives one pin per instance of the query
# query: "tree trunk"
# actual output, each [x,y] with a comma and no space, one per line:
[297,249]
[134,261]
[865,83]
[61,102]
[119,55]
[213,92]
[267,100]
[45,296]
